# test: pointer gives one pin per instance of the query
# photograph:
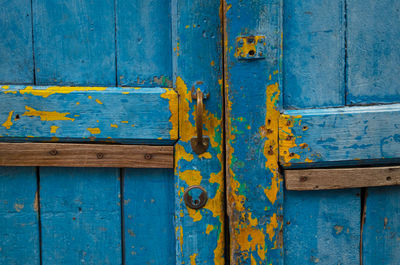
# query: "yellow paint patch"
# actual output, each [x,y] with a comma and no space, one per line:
[94,130]
[53,129]
[77,103]
[124,122]
[272,226]
[114,125]
[98,101]
[172,97]
[205,155]
[209,229]
[47,115]
[286,138]
[18,206]
[193,259]
[8,123]
[89,97]
[57,90]
[247,46]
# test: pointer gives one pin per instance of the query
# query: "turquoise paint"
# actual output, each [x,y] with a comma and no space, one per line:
[149,216]
[19,231]
[80,215]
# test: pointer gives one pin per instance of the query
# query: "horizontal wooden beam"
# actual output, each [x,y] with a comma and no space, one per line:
[341,178]
[85,155]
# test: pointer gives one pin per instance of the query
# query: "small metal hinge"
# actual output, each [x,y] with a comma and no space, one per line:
[250,47]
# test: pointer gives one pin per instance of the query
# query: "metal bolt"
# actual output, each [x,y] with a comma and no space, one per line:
[303,179]
[148,156]
[53,152]
[100,155]
[240,42]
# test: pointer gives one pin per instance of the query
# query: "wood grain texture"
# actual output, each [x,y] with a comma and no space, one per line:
[373,46]
[381,242]
[149,216]
[314,53]
[16,55]
[322,227]
[144,52]
[252,104]
[109,114]
[19,231]
[85,155]
[80,215]
[339,135]
[197,57]
[74,42]
[341,178]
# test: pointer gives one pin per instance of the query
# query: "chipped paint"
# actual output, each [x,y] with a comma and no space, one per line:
[193,259]
[53,129]
[247,47]
[286,138]
[98,101]
[114,125]
[47,115]
[94,130]
[57,90]
[8,123]
[172,97]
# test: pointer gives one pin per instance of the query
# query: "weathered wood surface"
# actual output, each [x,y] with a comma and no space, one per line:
[19,232]
[381,239]
[80,215]
[197,57]
[322,227]
[112,114]
[253,99]
[339,135]
[86,155]
[149,216]
[314,53]
[373,44]
[16,56]
[341,178]
[143,38]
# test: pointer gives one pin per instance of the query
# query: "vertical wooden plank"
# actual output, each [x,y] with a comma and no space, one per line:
[373,47]
[322,227]
[19,231]
[252,94]
[197,57]
[381,233]
[314,57]
[80,215]
[74,42]
[149,216]
[144,43]
[16,58]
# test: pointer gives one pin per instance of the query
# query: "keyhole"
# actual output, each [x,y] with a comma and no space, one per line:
[251,52]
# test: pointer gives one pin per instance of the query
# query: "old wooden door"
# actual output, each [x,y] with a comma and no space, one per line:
[313,84]
[103,78]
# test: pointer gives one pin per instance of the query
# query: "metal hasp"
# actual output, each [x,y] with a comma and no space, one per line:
[250,47]
[195,197]
[199,143]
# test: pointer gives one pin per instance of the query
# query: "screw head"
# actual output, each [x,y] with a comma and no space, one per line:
[100,155]
[53,152]
[148,156]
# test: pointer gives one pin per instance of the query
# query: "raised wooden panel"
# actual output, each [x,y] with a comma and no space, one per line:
[144,45]
[373,51]
[74,42]
[16,54]
[313,53]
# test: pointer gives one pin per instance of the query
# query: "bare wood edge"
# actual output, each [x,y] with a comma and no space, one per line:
[341,178]
[86,155]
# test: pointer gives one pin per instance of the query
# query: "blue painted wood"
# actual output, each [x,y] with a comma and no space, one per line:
[373,44]
[16,55]
[322,227]
[313,48]
[149,216]
[347,134]
[19,231]
[381,233]
[197,57]
[74,42]
[253,99]
[144,43]
[80,215]
[88,114]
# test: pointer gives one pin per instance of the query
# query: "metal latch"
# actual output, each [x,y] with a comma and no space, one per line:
[250,47]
